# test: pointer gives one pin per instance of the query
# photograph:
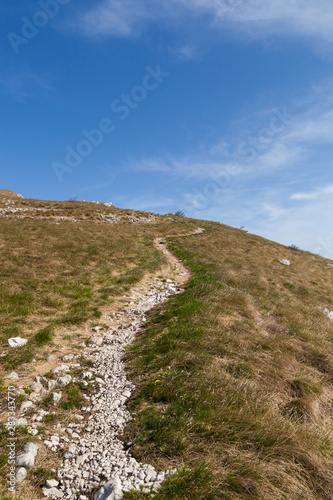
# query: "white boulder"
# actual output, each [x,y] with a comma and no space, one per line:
[26,459]
[68,357]
[64,380]
[110,491]
[60,369]
[328,313]
[31,448]
[21,474]
[56,396]
[21,422]
[36,386]
[17,342]
[25,405]
[51,483]
[52,492]
[51,384]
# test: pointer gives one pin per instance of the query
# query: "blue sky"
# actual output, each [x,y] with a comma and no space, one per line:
[221,108]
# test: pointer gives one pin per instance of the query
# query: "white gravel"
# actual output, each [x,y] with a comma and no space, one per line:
[95,455]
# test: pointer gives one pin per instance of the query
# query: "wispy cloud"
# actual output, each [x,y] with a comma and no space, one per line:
[23,85]
[121,18]
[313,195]
[303,17]
[186,52]
[308,225]
[267,190]
[266,149]
[255,18]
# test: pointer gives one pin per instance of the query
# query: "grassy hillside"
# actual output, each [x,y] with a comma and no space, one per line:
[64,264]
[245,363]
[61,261]
[234,376]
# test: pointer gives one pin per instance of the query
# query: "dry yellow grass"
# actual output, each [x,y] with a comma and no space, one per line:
[244,355]
[245,359]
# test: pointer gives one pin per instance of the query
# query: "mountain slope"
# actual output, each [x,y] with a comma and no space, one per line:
[245,363]
[233,376]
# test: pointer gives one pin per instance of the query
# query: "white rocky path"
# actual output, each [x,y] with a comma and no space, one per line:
[95,455]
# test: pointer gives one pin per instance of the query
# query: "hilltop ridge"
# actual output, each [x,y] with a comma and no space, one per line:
[9,194]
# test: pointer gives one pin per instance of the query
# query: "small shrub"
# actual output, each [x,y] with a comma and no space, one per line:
[294,248]
[47,400]
[50,418]
[73,399]
[42,474]
[44,336]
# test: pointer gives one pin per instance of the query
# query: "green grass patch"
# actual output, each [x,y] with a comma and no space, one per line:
[72,399]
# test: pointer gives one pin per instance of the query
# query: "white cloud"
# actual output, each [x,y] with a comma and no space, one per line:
[255,18]
[121,18]
[304,196]
[186,52]
[303,17]
[308,226]
[273,211]
[265,150]
[327,190]
[261,191]
[27,84]
[264,212]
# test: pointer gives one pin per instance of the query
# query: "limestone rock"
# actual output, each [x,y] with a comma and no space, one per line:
[21,474]
[17,342]
[21,422]
[52,492]
[36,386]
[68,357]
[92,448]
[60,369]
[110,491]
[26,459]
[96,340]
[31,448]
[64,380]
[328,313]
[51,483]
[285,262]
[25,405]
[56,396]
